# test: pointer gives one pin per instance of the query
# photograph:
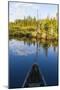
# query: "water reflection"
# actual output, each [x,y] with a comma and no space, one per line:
[34,77]
[21,49]
[34,42]
[28,58]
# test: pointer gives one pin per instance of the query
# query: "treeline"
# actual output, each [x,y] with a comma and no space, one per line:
[27,27]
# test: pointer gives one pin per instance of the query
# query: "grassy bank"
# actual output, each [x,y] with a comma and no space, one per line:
[48,28]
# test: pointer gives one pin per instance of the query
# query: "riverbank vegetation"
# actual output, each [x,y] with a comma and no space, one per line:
[31,28]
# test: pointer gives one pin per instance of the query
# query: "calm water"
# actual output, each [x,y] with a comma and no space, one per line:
[24,53]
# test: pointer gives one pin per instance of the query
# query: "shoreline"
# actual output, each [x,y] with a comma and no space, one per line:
[36,38]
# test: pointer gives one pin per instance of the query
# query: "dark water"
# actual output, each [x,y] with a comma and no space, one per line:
[24,53]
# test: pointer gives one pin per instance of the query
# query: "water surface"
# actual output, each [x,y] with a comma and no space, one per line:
[25,53]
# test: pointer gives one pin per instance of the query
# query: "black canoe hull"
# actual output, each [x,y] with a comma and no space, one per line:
[34,78]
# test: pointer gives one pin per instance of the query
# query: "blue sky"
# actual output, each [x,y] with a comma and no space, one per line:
[18,10]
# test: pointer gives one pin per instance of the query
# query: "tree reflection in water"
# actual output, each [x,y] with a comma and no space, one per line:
[34,76]
[45,44]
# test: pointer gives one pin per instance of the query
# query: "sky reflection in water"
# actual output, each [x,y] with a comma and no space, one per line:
[22,55]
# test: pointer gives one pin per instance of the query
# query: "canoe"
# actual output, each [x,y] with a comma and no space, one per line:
[34,78]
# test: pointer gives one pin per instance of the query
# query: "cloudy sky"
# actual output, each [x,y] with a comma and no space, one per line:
[18,10]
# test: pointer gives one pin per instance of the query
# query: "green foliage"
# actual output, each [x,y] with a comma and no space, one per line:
[48,28]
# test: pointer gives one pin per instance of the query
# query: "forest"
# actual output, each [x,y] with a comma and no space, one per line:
[31,28]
